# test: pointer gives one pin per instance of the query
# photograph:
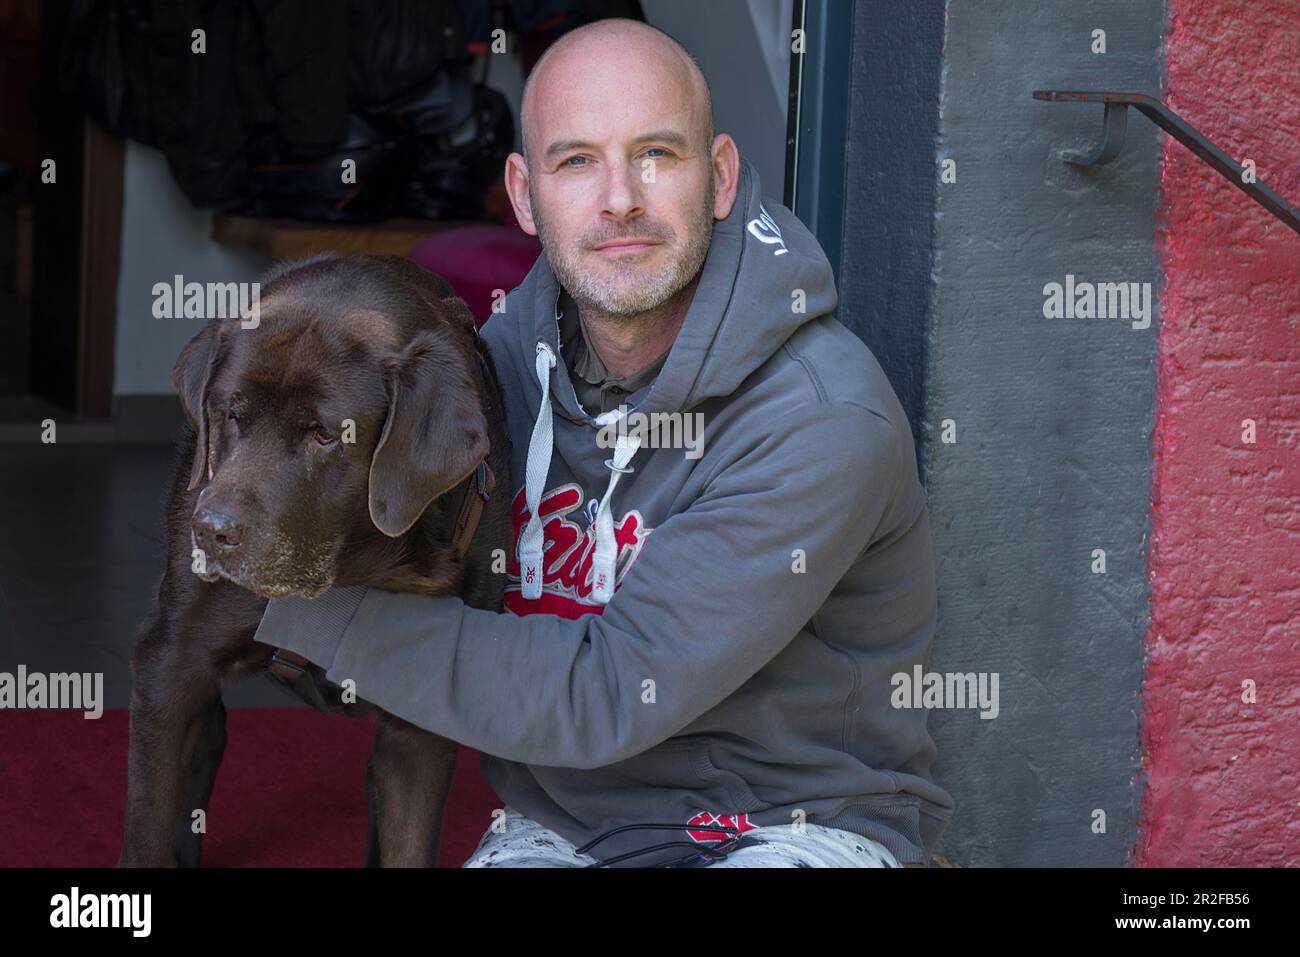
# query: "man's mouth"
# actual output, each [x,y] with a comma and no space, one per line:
[626,247]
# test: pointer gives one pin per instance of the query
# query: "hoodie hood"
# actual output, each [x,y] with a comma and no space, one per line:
[764,276]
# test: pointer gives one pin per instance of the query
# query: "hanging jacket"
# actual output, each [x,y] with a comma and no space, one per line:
[281,73]
[692,636]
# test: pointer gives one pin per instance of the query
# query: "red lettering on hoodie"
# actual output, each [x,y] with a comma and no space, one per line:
[708,818]
[567,553]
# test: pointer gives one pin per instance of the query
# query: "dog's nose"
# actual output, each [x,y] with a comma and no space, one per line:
[217,530]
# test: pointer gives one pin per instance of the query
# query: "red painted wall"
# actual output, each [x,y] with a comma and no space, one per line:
[1222,777]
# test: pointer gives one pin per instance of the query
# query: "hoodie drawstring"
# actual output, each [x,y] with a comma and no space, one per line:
[531,540]
[606,550]
[539,466]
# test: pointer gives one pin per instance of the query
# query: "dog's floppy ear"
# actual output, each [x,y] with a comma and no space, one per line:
[191,375]
[435,434]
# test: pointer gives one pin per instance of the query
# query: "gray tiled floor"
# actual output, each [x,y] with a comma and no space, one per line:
[80,560]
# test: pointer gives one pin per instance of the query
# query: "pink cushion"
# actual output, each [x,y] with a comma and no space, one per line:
[477,260]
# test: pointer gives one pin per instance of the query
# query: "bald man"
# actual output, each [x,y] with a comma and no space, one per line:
[721,572]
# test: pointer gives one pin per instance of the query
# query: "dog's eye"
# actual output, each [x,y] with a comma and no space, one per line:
[232,417]
[321,435]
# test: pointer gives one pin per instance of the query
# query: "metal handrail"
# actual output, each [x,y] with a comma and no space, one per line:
[1115,120]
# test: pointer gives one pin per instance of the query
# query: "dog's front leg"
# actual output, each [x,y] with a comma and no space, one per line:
[205,759]
[412,772]
[171,715]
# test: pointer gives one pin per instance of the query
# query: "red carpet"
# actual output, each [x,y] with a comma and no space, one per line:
[291,791]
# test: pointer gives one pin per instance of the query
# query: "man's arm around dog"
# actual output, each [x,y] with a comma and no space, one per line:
[718,592]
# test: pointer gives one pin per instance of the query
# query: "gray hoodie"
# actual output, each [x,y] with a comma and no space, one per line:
[693,636]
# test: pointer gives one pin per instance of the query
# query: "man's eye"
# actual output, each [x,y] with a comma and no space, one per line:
[568,161]
[659,148]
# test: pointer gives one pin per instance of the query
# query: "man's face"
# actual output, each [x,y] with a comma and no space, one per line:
[619,185]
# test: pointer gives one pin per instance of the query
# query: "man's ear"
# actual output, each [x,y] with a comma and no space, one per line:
[516,183]
[191,376]
[434,436]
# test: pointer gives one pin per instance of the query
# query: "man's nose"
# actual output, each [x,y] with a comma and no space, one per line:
[217,531]
[623,192]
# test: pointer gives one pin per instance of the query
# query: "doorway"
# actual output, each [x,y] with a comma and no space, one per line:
[60,225]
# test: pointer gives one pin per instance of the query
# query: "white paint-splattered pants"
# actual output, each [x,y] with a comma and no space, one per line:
[525,843]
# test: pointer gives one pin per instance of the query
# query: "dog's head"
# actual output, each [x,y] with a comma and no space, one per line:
[348,409]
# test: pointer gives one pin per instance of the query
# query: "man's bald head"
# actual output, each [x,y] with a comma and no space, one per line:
[623,41]
[623,178]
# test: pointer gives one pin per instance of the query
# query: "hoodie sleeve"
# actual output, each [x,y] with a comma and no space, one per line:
[717,591]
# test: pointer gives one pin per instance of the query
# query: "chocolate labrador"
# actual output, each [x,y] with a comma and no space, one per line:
[353,435]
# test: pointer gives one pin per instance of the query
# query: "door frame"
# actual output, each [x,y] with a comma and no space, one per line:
[817,121]
[77,243]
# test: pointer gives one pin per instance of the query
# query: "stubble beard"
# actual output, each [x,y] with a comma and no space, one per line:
[627,290]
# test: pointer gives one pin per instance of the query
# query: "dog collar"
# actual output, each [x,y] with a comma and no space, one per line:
[477,491]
